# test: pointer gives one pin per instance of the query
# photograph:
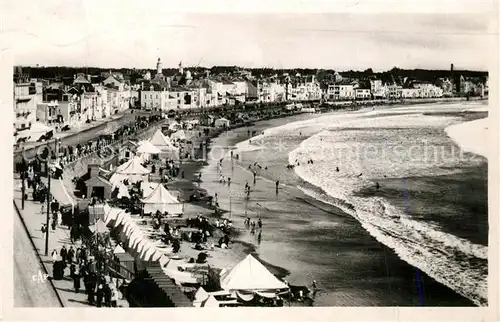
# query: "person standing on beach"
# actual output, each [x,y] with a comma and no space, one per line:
[277,185]
[260,223]
[259,237]
[228,182]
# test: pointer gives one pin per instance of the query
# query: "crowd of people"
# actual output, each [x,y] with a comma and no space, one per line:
[101,290]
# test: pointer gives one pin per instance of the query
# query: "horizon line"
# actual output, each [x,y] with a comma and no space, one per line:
[264,67]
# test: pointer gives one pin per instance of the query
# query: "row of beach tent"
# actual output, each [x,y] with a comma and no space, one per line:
[244,281]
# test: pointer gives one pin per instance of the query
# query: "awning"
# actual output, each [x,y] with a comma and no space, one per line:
[59,192]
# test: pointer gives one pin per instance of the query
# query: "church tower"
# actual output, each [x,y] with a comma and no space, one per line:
[181,69]
[159,69]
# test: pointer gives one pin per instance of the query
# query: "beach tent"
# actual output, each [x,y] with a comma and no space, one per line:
[159,140]
[131,170]
[211,302]
[148,148]
[222,122]
[163,143]
[179,135]
[250,277]
[200,297]
[119,250]
[161,199]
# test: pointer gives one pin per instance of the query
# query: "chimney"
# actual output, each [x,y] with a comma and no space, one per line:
[93,169]
[452,68]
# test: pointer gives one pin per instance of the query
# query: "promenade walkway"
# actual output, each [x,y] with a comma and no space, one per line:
[75,130]
[33,218]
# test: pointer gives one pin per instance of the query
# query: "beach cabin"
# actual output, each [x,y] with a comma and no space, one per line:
[96,185]
[222,123]
[125,261]
[127,150]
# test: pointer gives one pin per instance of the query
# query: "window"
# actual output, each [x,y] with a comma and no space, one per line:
[23,126]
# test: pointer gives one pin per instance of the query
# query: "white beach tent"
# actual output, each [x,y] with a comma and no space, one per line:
[147,147]
[159,140]
[211,302]
[222,122]
[179,135]
[250,276]
[162,200]
[131,170]
[163,143]
[119,250]
[200,297]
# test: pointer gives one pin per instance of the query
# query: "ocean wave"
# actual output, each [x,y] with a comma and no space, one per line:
[419,245]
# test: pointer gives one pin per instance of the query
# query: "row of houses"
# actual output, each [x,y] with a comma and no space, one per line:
[181,91]
[87,98]
[410,89]
[58,104]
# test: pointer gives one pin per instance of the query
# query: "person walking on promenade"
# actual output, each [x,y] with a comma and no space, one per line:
[71,254]
[260,223]
[54,255]
[114,296]
[107,295]
[76,279]
[99,296]
[44,230]
[277,186]
[64,254]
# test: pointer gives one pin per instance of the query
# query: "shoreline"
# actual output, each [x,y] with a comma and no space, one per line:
[431,281]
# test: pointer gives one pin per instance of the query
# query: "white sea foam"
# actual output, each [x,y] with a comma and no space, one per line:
[391,145]
[470,136]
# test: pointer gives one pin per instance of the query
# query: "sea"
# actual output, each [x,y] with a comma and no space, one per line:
[381,207]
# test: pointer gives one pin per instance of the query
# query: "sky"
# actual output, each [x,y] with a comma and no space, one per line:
[133,34]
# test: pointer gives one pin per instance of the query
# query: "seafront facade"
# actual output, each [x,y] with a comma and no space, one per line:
[60,103]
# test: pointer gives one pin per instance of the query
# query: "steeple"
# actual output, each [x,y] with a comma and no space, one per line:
[159,69]
[181,69]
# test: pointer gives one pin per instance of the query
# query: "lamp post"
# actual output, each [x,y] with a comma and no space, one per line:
[47,171]
[23,175]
